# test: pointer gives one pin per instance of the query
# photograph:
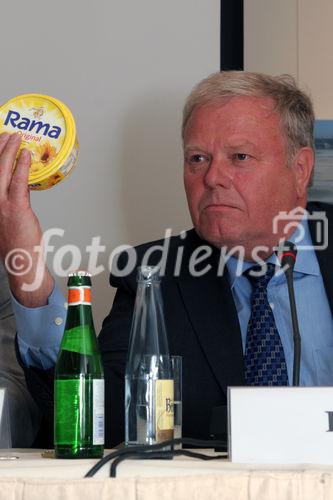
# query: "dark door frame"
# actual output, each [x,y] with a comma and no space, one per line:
[232,35]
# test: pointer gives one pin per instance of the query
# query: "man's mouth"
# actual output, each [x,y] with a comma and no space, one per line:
[220,206]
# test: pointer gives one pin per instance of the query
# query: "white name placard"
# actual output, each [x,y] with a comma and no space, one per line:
[281,425]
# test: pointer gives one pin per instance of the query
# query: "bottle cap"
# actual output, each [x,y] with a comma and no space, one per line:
[79,278]
[79,273]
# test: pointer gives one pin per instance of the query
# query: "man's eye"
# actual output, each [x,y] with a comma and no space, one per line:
[241,156]
[197,158]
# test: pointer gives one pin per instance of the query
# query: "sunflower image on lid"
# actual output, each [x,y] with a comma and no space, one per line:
[48,131]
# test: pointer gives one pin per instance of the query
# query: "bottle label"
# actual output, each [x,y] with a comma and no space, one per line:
[98,411]
[79,295]
[164,409]
[79,339]
[75,411]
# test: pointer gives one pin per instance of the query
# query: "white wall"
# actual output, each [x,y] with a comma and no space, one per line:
[124,68]
[293,36]
[270,36]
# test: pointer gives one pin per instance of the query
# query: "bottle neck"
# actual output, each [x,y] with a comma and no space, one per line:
[148,332]
[79,295]
[79,306]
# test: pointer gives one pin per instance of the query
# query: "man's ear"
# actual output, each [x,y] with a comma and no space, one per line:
[303,164]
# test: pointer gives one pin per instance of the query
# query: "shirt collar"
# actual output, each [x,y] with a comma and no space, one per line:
[306,261]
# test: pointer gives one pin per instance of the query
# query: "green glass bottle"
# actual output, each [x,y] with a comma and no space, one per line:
[79,379]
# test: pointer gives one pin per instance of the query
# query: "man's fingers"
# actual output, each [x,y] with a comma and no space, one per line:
[7,159]
[3,140]
[18,188]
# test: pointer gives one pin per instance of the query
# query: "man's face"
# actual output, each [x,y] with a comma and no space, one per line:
[236,174]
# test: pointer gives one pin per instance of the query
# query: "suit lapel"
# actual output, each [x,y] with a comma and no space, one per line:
[210,307]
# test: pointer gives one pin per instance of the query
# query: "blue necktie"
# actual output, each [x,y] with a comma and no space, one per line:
[264,358]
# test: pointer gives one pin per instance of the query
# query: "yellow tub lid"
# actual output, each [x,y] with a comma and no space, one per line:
[47,128]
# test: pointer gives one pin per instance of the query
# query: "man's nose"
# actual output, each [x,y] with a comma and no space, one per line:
[219,173]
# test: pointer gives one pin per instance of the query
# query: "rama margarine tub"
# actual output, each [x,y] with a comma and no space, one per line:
[48,131]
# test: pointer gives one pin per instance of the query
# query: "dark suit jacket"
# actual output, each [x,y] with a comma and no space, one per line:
[202,327]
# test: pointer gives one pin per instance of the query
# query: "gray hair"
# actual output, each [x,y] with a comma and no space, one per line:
[292,104]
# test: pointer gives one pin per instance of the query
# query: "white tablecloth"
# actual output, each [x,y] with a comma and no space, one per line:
[31,477]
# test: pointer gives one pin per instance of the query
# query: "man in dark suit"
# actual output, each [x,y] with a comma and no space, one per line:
[242,167]
[202,326]
[248,158]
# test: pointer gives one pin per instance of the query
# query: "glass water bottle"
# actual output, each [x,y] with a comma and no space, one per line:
[148,380]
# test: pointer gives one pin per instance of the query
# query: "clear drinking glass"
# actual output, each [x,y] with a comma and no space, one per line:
[5,434]
[145,391]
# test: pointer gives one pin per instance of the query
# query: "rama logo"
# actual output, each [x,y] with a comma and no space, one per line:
[14,119]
